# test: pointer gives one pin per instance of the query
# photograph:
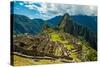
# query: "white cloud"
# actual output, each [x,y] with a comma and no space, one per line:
[72,9]
[31,7]
[51,9]
[21,4]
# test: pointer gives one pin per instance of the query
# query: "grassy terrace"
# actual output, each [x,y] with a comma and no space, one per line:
[65,42]
[21,61]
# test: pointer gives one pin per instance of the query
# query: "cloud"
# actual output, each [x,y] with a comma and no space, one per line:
[51,9]
[31,7]
[21,4]
[72,9]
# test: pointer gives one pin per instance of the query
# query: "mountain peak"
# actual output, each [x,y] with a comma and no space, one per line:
[66,14]
[63,21]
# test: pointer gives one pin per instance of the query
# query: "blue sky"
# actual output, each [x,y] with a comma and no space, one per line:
[49,10]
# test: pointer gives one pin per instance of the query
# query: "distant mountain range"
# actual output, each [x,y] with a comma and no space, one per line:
[85,26]
[87,21]
[22,24]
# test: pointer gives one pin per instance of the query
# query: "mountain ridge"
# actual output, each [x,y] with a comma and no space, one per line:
[35,26]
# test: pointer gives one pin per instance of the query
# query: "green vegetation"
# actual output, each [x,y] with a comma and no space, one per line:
[59,46]
[58,37]
[55,37]
[69,47]
[20,61]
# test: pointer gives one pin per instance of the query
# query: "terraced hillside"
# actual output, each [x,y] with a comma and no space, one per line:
[52,47]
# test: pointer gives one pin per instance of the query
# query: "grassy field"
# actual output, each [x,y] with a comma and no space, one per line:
[21,61]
